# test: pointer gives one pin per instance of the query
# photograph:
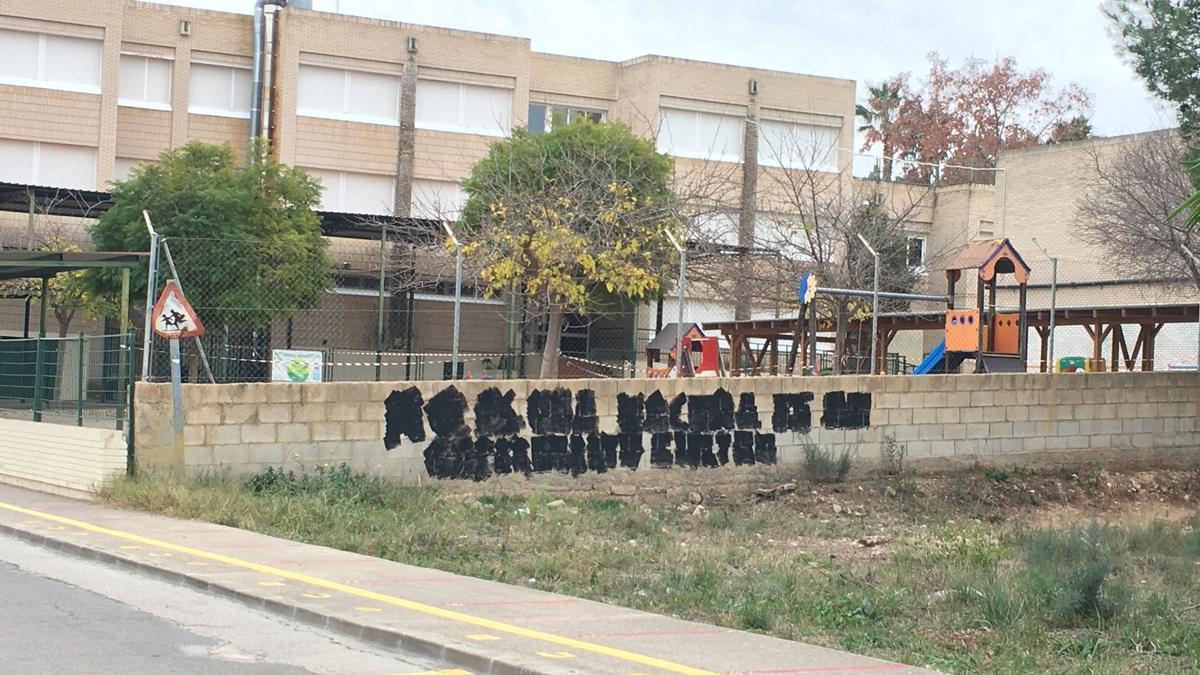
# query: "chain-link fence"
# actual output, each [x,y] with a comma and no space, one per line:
[82,380]
[366,310]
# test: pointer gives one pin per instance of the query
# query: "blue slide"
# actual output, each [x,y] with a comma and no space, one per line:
[932,361]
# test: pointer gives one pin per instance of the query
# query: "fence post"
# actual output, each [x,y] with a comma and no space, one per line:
[130,373]
[79,384]
[38,367]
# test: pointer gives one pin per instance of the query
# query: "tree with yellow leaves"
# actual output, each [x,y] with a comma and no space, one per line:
[571,218]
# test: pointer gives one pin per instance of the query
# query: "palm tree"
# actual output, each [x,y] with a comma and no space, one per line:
[879,112]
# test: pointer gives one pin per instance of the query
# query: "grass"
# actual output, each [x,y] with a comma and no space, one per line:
[952,594]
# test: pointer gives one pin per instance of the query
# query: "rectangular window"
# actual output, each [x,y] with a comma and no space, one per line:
[700,135]
[351,192]
[916,252]
[219,90]
[797,146]
[353,95]
[543,118]
[463,108]
[986,228]
[785,235]
[440,199]
[145,82]
[48,164]
[50,61]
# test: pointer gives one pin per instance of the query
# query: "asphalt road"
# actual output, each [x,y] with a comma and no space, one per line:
[60,614]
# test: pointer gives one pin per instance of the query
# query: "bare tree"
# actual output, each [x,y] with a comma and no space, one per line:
[1127,207]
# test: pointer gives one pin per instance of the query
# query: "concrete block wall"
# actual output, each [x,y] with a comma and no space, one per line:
[943,420]
[58,458]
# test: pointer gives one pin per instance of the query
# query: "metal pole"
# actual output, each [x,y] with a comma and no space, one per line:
[1053,307]
[679,318]
[151,284]
[177,397]
[457,300]
[457,312]
[79,383]
[39,368]
[874,306]
[379,312]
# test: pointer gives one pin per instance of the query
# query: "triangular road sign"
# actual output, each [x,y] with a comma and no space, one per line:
[173,317]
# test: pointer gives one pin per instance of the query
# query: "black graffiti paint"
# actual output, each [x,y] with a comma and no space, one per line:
[502,460]
[631,413]
[660,450]
[743,447]
[578,455]
[479,466]
[700,450]
[846,411]
[747,412]
[451,454]
[451,457]
[447,413]
[550,453]
[723,442]
[764,449]
[631,449]
[518,448]
[792,412]
[609,443]
[586,421]
[595,454]
[658,414]
[681,448]
[676,409]
[549,411]
[402,417]
[495,415]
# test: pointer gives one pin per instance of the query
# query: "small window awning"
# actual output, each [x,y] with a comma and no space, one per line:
[990,257]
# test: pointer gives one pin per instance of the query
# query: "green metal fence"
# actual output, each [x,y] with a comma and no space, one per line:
[81,380]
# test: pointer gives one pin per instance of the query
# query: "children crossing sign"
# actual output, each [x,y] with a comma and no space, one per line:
[173,318]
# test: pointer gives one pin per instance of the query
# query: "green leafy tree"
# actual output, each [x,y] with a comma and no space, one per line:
[572,219]
[1162,40]
[248,243]
[1078,128]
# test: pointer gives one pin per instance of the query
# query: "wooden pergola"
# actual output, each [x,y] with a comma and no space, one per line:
[1105,325]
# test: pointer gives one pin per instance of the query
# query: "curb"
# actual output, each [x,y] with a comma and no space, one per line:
[388,639]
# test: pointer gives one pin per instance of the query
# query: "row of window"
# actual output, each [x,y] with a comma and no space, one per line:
[783,234]
[72,63]
[718,137]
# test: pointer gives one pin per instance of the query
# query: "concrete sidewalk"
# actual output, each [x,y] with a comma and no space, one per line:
[479,626]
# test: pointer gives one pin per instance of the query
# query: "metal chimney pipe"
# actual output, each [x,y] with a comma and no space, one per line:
[268,70]
[256,73]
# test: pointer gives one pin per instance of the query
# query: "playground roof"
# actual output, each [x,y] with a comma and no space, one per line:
[989,256]
[46,264]
[665,340]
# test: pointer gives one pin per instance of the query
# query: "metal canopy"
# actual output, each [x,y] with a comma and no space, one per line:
[47,264]
[15,198]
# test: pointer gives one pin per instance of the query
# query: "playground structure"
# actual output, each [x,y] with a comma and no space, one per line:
[701,352]
[995,339]
[787,346]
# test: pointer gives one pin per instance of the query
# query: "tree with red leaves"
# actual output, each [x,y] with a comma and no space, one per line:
[964,117]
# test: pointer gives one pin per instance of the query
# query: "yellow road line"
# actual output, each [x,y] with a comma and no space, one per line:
[412,605]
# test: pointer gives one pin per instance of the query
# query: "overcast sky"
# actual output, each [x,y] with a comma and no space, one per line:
[864,40]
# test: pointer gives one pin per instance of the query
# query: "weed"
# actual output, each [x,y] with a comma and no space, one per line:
[995,475]
[826,466]
[891,455]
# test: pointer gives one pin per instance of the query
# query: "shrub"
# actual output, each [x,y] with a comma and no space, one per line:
[824,466]
[1077,572]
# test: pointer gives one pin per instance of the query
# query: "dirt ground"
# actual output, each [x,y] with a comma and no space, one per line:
[873,513]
